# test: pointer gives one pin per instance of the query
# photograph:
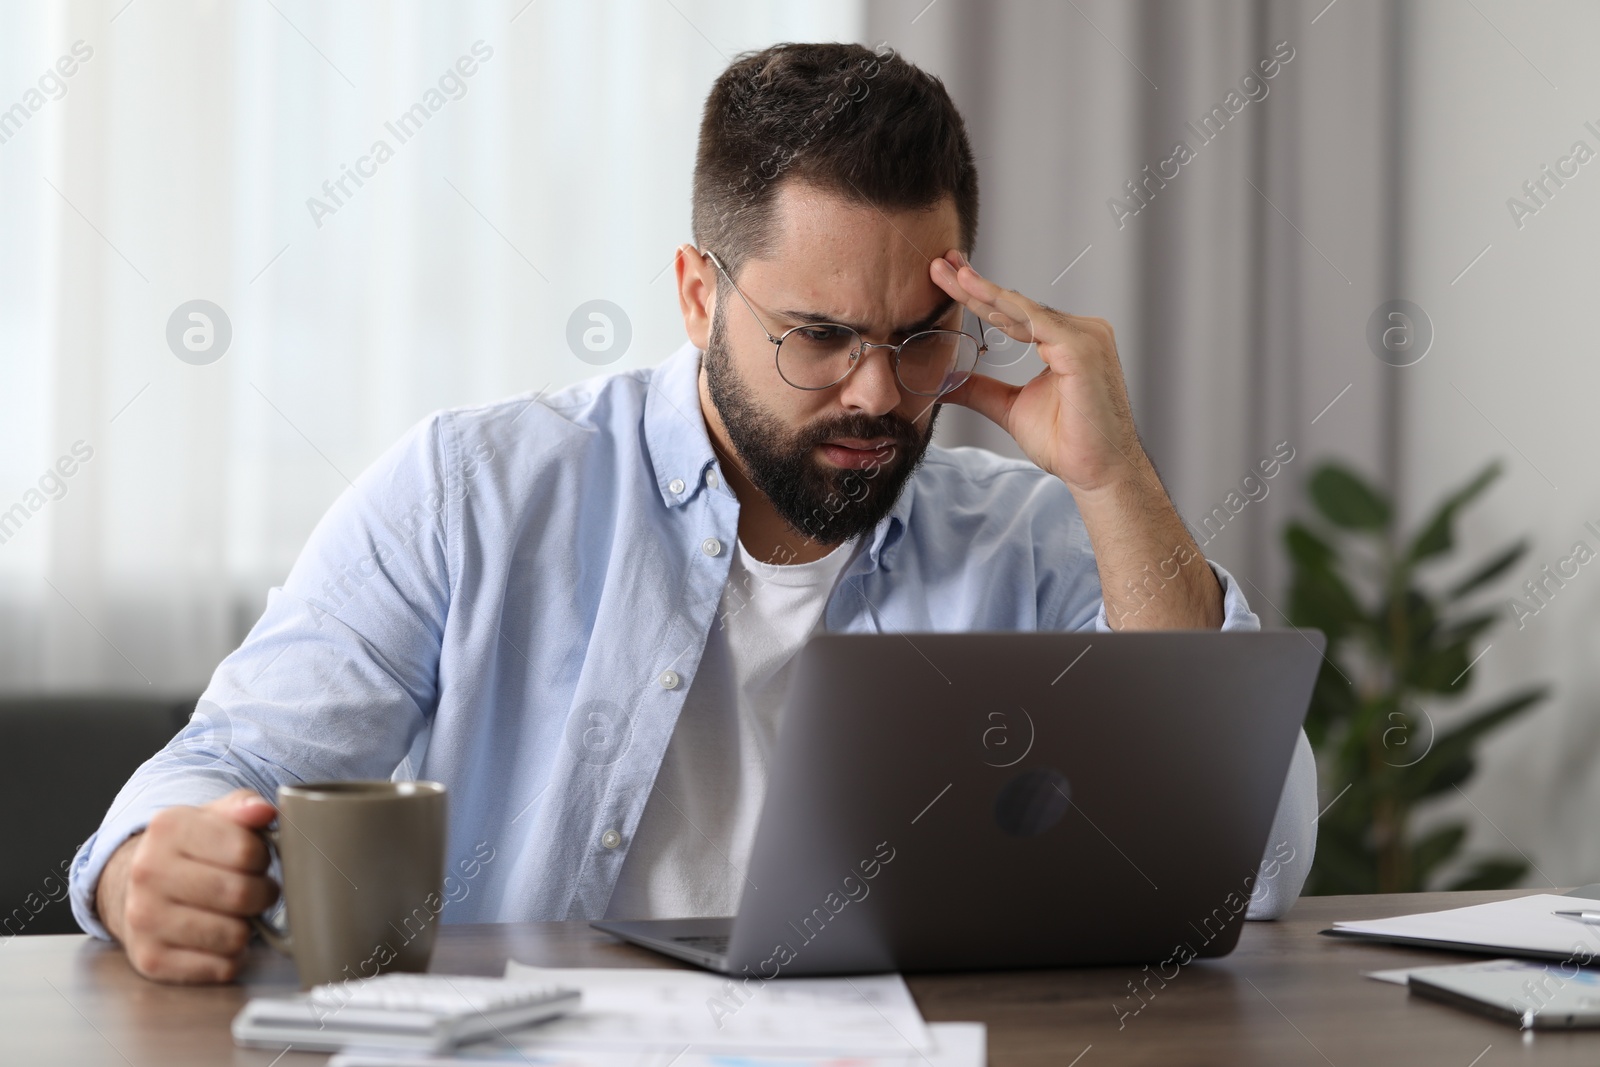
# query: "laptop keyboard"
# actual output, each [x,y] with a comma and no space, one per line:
[716,944]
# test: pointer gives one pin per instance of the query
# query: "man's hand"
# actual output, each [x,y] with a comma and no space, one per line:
[179,895]
[1073,419]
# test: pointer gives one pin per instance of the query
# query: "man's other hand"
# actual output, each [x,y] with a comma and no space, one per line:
[179,895]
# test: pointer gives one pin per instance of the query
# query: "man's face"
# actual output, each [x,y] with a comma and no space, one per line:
[831,461]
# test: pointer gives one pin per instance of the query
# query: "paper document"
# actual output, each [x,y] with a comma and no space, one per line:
[650,1008]
[1524,924]
[952,1045]
[1396,977]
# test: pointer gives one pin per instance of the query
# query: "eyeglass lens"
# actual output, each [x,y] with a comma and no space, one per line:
[932,363]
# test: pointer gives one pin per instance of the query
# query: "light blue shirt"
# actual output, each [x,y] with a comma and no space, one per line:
[513,601]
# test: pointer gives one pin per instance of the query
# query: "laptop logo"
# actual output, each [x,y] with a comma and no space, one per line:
[1007,737]
[1032,802]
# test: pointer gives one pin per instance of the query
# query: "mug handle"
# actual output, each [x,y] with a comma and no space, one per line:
[276,936]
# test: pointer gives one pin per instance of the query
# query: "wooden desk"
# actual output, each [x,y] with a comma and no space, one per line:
[1285,996]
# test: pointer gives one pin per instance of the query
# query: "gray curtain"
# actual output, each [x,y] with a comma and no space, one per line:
[1241,289]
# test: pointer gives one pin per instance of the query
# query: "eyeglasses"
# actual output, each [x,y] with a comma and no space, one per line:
[823,354]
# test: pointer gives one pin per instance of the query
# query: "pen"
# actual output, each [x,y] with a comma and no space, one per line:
[1591,917]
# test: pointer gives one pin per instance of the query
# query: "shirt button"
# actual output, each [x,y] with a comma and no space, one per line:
[669,679]
[711,546]
[611,839]
[711,479]
[676,485]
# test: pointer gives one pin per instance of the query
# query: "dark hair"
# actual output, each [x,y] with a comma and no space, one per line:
[863,124]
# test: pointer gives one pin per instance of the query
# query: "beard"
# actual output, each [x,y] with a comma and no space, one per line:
[828,505]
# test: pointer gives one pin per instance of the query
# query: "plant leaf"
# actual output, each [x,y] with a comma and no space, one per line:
[1438,532]
[1319,599]
[1436,773]
[1496,872]
[1487,573]
[1449,762]
[1471,627]
[1347,501]
[1444,669]
[1307,549]
[1406,627]
[1344,864]
[1333,702]
[1466,734]
[1435,848]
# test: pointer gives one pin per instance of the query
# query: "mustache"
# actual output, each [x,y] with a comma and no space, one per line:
[898,430]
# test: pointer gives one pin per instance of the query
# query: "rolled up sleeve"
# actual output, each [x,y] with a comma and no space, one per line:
[1236,613]
[337,678]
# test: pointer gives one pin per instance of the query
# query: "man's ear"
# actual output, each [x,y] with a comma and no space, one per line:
[697,291]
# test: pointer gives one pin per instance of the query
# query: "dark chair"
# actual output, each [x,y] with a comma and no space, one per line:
[66,758]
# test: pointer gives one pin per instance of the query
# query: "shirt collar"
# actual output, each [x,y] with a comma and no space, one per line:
[890,529]
[674,429]
[680,449]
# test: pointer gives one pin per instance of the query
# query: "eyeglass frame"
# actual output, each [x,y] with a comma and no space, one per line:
[855,360]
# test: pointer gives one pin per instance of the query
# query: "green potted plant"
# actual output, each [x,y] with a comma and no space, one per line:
[1394,641]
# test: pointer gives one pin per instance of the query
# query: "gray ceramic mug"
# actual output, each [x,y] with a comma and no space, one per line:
[363,877]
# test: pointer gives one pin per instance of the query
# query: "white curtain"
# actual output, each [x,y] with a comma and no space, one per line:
[1240,290]
[175,163]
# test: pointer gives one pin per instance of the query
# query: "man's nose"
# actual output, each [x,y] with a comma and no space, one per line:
[872,386]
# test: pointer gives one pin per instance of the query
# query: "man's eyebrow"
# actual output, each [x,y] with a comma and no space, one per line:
[927,321]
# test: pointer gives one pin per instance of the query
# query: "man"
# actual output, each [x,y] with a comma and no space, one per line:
[579,612]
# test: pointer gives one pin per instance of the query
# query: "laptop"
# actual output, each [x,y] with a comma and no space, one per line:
[967,801]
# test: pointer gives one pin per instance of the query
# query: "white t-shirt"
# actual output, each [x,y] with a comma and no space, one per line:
[689,854]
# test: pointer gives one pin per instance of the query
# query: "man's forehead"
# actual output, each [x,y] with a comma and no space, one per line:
[807,218]
[854,263]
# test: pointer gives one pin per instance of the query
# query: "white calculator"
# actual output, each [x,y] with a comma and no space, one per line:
[428,1012]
